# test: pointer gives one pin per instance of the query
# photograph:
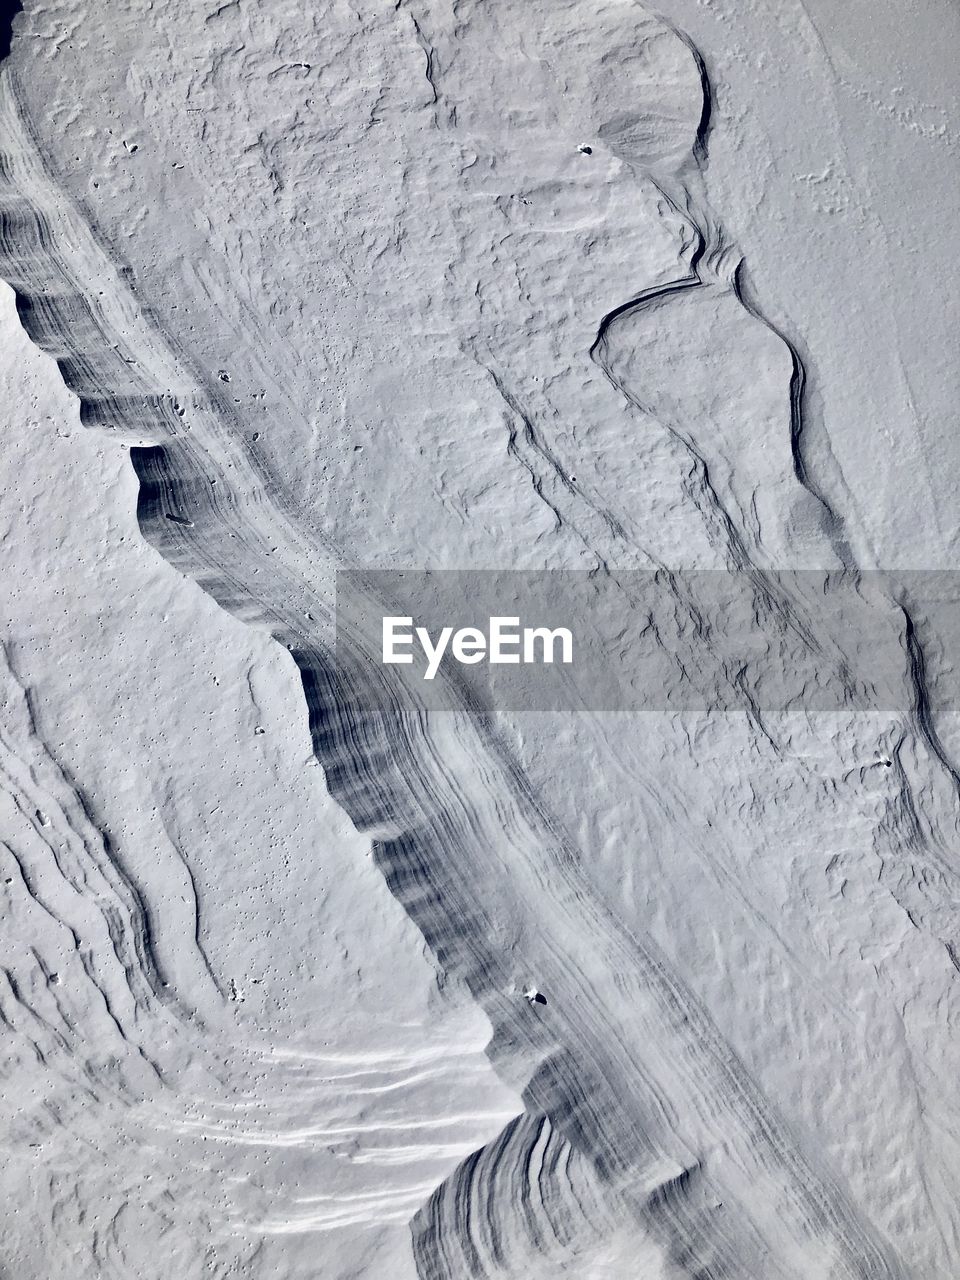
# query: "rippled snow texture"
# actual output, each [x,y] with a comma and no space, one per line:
[473,285]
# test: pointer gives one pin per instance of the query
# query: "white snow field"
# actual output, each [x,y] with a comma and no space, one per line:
[311,974]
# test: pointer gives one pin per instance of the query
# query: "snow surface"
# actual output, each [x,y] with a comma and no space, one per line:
[303,978]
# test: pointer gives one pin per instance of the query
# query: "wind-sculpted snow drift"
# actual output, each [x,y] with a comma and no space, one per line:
[468,256]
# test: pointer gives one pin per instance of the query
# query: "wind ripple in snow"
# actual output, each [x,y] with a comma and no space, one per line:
[637,1107]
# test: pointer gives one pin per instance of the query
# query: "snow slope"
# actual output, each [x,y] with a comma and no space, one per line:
[475,287]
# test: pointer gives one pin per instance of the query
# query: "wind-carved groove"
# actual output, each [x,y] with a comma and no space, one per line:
[486,873]
[701,139]
[798,392]
[706,270]
[567,501]
[125,910]
[67,868]
[923,712]
[429,52]
[525,1204]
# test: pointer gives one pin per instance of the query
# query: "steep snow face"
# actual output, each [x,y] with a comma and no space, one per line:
[429,286]
[223,1043]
